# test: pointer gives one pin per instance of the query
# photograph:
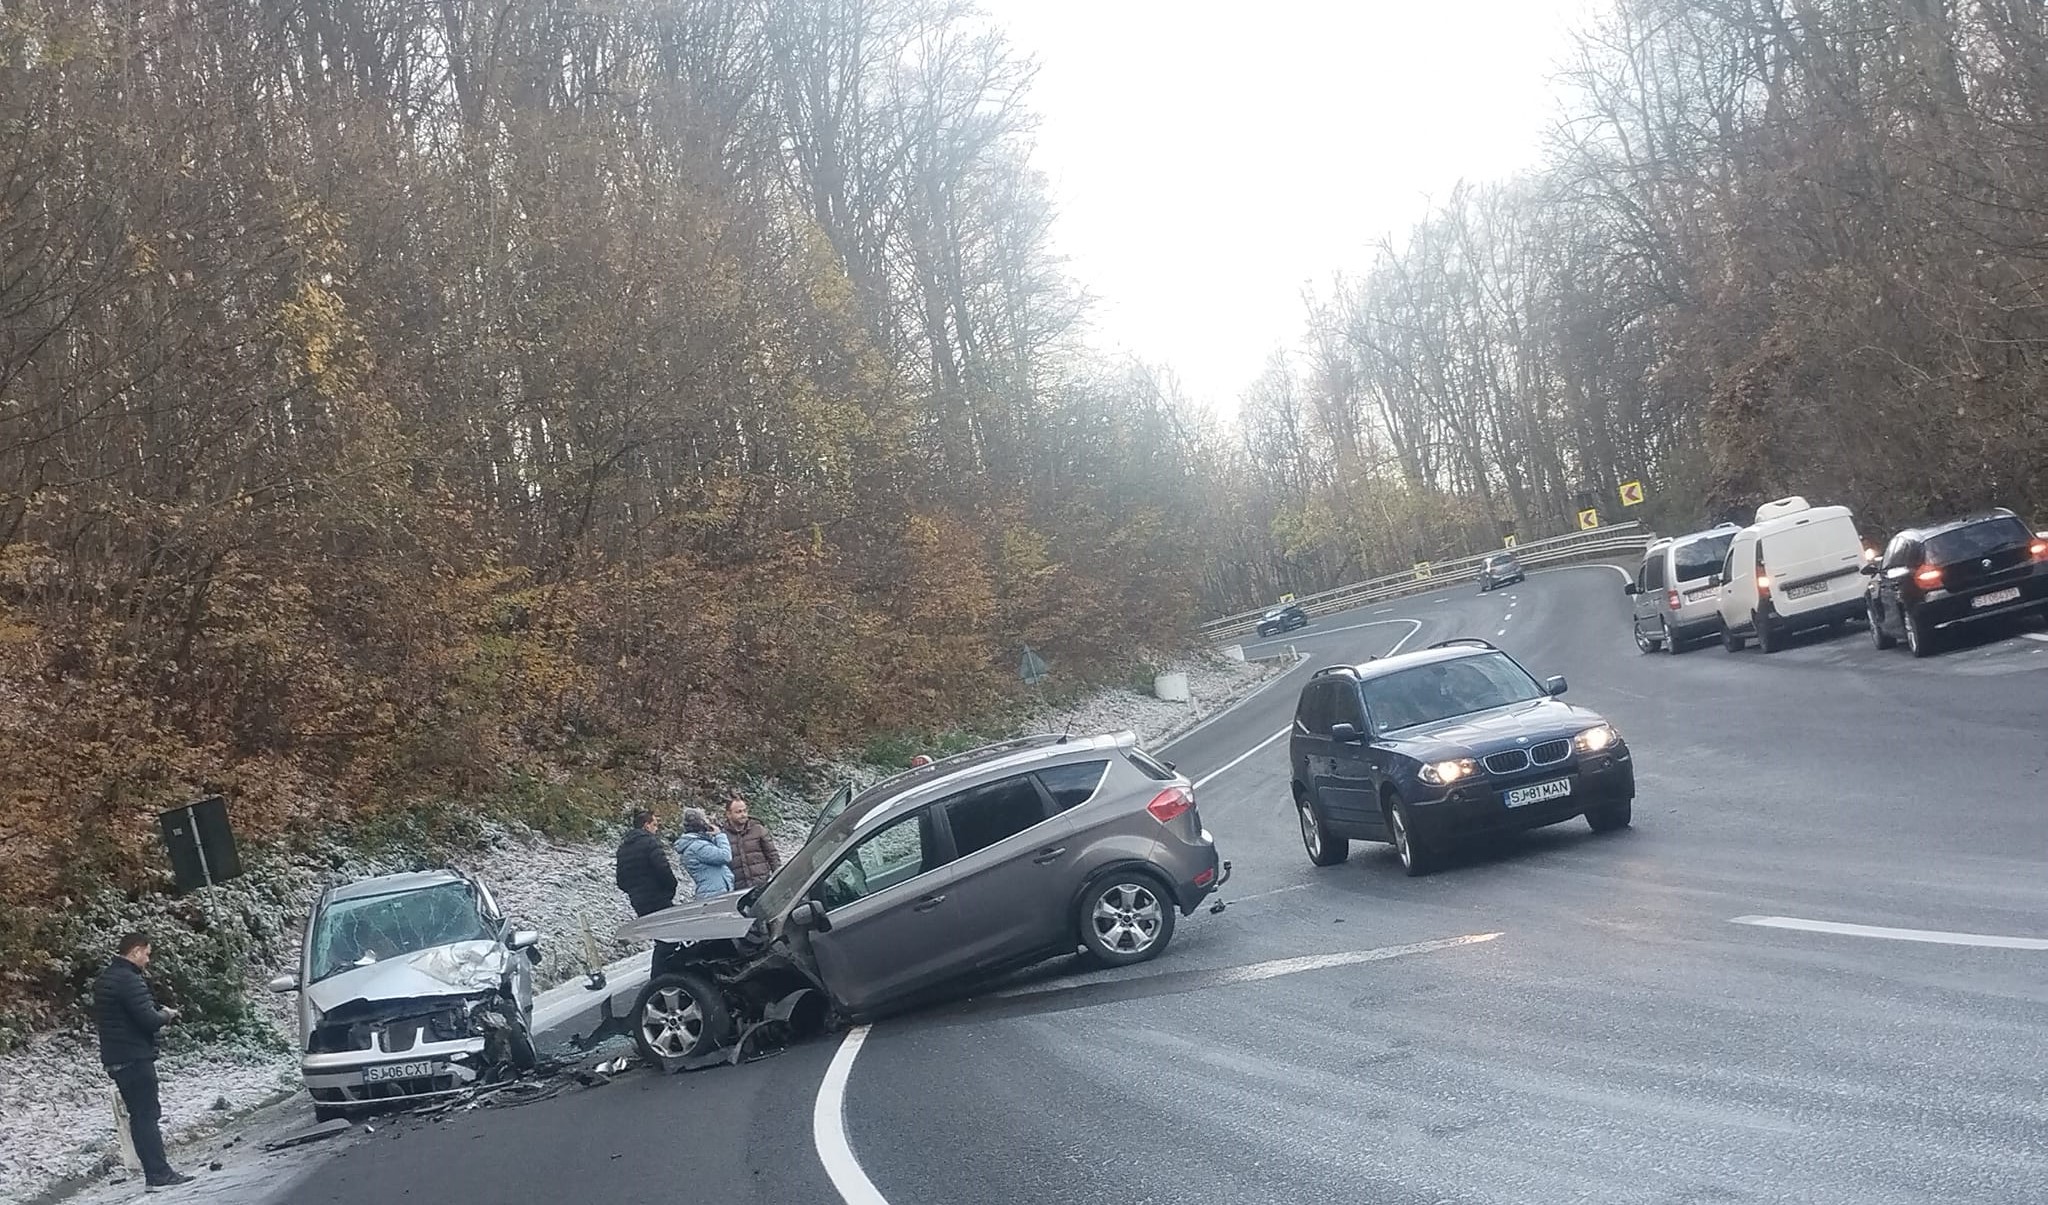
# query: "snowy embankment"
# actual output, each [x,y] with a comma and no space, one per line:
[56,1105]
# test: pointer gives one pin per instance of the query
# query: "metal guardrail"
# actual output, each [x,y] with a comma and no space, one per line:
[1601,541]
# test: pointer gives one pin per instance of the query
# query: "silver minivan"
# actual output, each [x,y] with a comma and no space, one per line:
[1676,599]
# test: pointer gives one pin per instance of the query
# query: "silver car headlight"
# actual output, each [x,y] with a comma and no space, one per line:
[1596,739]
[1444,773]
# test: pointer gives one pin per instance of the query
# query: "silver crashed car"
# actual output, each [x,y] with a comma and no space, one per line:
[410,986]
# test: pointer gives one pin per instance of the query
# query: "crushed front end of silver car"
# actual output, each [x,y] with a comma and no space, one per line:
[421,1026]
[411,987]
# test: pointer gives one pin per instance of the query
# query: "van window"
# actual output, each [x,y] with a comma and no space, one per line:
[1698,558]
[1653,572]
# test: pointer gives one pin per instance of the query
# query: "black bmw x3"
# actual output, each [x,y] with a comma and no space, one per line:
[1423,750]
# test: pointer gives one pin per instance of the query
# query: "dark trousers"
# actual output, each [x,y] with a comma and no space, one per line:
[137,1082]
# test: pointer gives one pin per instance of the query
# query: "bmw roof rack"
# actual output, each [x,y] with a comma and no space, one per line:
[1474,641]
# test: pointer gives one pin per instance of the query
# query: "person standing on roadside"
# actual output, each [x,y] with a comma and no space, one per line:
[754,856]
[706,853]
[644,873]
[128,1019]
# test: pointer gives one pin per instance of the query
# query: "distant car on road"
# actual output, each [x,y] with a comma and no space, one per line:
[1281,620]
[1500,569]
[1792,569]
[1674,592]
[951,873]
[1932,580]
[1427,749]
[411,986]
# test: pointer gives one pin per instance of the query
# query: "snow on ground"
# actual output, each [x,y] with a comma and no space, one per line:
[57,1104]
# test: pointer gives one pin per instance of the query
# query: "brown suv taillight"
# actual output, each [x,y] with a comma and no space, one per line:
[1170,804]
[2039,550]
[1929,576]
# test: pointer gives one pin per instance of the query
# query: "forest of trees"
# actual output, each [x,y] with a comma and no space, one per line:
[407,402]
[1776,246]
[399,398]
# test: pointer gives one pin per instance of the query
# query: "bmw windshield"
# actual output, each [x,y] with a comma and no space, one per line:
[1443,690]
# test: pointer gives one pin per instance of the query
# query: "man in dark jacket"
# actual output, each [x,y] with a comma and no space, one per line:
[644,872]
[754,856]
[128,1019]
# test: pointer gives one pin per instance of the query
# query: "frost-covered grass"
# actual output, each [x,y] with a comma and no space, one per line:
[56,1112]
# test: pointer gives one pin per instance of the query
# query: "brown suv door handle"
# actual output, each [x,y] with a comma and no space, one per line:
[928,903]
[1050,855]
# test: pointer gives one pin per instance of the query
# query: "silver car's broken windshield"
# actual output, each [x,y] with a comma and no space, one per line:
[360,932]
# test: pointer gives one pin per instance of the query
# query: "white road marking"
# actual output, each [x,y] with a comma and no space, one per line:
[1502,632]
[1232,763]
[1303,633]
[1258,971]
[2040,636]
[1246,899]
[1321,962]
[1935,936]
[828,1127]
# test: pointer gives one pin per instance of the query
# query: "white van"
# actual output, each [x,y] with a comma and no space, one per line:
[1796,567]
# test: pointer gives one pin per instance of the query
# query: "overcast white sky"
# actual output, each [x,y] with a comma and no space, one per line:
[1209,160]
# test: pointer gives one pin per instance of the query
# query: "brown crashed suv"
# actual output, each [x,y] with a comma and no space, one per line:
[977,864]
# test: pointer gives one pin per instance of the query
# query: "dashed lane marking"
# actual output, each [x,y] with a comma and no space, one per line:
[1933,936]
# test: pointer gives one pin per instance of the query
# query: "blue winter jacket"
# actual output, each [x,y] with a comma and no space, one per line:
[708,859]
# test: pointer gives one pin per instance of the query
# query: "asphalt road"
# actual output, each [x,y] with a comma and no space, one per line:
[1606,1033]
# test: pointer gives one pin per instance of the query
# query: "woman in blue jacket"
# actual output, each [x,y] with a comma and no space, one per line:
[706,853]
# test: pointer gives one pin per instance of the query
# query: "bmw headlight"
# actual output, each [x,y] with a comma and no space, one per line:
[1596,738]
[1444,773]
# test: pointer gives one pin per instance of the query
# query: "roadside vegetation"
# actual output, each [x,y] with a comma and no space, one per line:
[1773,248]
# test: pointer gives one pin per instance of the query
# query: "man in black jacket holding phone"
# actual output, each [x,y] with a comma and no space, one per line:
[128,1019]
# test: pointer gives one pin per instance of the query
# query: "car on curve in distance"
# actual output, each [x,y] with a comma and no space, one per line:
[1674,592]
[948,874]
[1794,568]
[1500,569]
[1283,619]
[1428,749]
[1933,580]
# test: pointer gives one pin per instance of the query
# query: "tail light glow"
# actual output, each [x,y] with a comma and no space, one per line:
[1929,575]
[2039,550]
[1763,583]
[1169,804]
[1671,599]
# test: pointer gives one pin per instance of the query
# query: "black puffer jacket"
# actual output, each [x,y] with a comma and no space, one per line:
[125,1014]
[645,874]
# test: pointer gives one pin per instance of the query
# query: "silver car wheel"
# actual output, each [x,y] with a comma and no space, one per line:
[1127,918]
[1311,832]
[1402,846]
[672,1024]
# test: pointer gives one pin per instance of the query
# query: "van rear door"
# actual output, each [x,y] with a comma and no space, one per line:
[1814,563]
